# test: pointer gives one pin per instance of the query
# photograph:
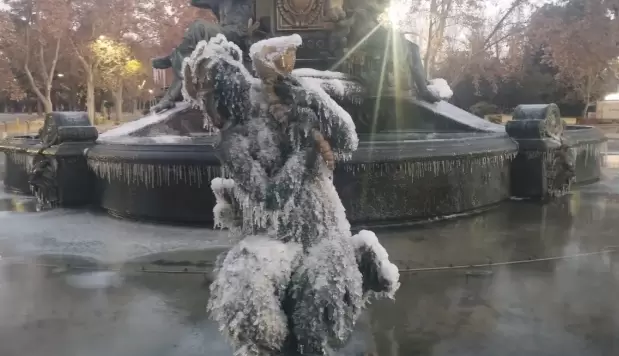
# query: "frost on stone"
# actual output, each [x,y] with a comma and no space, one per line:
[248,291]
[440,88]
[295,282]
[137,125]
[310,72]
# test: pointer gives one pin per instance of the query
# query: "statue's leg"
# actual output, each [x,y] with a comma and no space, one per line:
[418,73]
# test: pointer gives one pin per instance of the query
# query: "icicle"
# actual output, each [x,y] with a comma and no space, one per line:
[153,175]
[22,159]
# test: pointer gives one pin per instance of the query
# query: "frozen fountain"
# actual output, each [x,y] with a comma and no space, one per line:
[418,157]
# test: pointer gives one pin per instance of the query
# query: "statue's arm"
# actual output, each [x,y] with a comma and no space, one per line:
[327,114]
[234,153]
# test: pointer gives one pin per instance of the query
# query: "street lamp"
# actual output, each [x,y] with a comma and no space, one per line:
[150,91]
[60,75]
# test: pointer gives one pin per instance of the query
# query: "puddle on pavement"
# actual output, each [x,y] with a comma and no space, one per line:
[20,205]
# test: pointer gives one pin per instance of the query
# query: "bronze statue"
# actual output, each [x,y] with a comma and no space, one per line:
[348,22]
[234,20]
[374,43]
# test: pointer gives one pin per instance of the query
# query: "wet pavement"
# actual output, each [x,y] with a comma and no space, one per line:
[547,284]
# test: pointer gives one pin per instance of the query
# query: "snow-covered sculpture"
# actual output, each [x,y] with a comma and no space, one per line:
[298,280]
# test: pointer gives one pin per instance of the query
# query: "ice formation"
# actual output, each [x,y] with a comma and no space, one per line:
[133,126]
[440,88]
[298,280]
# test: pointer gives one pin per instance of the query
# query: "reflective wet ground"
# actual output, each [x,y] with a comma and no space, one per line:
[547,284]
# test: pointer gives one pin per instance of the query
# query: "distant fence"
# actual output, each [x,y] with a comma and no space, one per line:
[20,127]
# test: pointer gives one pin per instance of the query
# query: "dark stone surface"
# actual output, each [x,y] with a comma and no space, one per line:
[18,156]
[589,144]
[74,179]
[67,126]
[551,155]
[529,168]
[402,113]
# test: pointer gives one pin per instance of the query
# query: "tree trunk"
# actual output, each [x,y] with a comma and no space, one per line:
[90,96]
[430,39]
[585,115]
[118,103]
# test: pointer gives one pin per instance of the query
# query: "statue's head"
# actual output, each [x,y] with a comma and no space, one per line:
[216,81]
[275,56]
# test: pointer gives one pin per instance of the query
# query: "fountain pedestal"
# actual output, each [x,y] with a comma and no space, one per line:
[53,161]
[551,156]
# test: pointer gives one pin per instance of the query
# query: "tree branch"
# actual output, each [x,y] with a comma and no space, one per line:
[33,84]
[52,68]
[42,64]
[499,24]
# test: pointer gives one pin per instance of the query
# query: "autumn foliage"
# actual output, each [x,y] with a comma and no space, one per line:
[76,54]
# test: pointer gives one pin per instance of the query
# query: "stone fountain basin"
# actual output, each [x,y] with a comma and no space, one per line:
[392,178]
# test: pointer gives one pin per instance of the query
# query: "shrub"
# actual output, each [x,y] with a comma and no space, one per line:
[484,108]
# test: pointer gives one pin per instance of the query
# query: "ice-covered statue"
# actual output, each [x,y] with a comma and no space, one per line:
[298,280]
[234,22]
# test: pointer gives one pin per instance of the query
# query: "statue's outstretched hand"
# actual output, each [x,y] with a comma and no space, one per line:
[163,105]
[428,95]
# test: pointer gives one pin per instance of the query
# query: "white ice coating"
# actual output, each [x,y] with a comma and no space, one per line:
[157,139]
[440,88]
[280,44]
[388,270]
[297,248]
[348,128]
[255,272]
[133,126]
[206,51]
[223,211]
[310,72]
